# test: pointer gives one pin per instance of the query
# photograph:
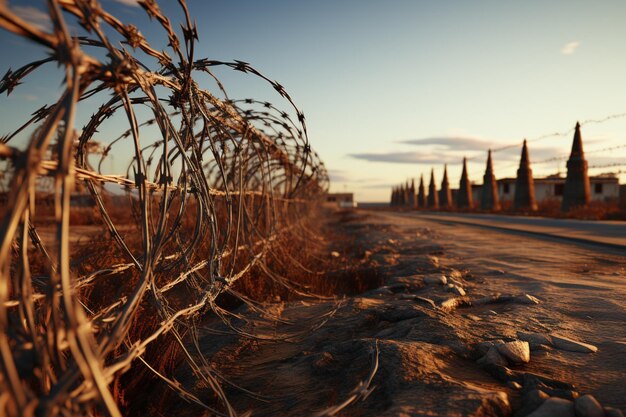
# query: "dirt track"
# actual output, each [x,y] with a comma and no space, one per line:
[424,355]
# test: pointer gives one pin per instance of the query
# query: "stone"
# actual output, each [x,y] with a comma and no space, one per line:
[563,343]
[473,317]
[451,280]
[612,412]
[435,279]
[588,406]
[552,387]
[426,300]
[453,303]
[455,274]
[458,291]
[544,348]
[493,357]
[535,339]
[526,299]
[514,385]
[553,407]
[532,399]
[335,254]
[483,347]
[502,373]
[490,299]
[517,351]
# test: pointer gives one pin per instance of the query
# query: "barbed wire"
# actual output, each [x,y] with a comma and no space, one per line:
[211,191]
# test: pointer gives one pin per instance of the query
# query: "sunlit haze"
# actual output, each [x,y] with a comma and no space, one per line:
[391,89]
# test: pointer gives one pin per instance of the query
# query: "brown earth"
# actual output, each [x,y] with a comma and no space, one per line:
[386,353]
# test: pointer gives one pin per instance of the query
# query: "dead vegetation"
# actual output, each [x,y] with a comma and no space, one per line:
[104,275]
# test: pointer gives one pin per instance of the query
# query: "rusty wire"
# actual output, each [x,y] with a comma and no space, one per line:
[211,188]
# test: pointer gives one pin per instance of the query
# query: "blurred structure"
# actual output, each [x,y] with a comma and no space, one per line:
[490,199]
[524,184]
[464,198]
[421,193]
[412,202]
[433,197]
[341,200]
[445,194]
[577,188]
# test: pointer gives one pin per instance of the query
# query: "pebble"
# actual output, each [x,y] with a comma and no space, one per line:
[426,300]
[533,399]
[335,254]
[435,279]
[455,274]
[514,385]
[553,407]
[455,282]
[493,357]
[452,303]
[588,406]
[473,317]
[570,345]
[486,300]
[407,296]
[526,299]
[535,339]
[483,347]
[612,412]
[458,290]
[517,351]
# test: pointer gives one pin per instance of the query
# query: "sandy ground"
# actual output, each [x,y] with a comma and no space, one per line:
[393,354]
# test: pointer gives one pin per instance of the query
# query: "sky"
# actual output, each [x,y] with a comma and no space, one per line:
[393,89]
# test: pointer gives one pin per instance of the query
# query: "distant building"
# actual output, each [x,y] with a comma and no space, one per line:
[603,188]
[342,200]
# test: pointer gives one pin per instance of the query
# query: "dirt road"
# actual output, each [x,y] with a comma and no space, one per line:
[414,347]
[606,233]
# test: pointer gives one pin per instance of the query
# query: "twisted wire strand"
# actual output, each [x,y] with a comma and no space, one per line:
[212,187]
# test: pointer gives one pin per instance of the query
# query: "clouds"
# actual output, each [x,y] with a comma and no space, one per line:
[433,150]
[402,157]
[451,150]
[33,15]
[459,142]
[569,48]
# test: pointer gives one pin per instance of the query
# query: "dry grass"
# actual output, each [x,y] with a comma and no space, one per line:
[217,200]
